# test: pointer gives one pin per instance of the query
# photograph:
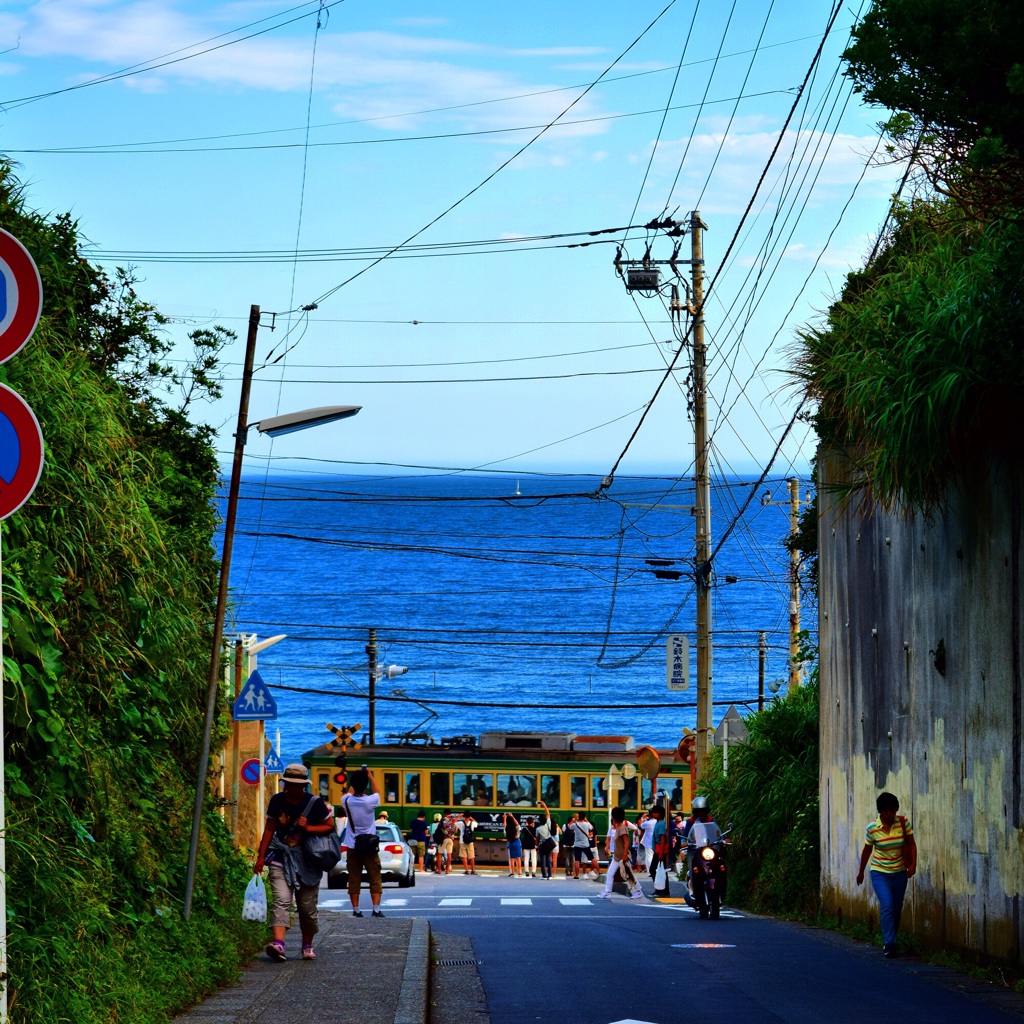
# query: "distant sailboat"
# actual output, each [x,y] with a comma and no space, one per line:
[517,488]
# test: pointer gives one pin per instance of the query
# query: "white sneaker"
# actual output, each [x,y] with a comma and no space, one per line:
[604,895]
[637,894]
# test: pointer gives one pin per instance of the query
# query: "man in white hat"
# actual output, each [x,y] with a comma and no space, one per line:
[291,816]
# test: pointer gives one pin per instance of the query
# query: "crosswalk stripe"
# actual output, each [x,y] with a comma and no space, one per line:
[453,901]
[575,901]
[514,902]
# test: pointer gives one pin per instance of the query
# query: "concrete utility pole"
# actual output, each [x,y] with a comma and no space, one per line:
[702,504]
[371,654]
[762,654]
[795,671]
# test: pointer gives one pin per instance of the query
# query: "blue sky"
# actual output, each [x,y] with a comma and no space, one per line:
[355,136]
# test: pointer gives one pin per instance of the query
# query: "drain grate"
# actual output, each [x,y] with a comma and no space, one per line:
[456,963]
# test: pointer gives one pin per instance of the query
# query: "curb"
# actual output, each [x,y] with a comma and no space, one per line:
[412,999]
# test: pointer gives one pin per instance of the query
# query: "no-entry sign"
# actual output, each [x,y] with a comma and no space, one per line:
[21,451]
[21,295]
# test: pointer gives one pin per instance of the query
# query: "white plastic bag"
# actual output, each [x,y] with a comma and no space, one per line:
[254,906]
[660,878]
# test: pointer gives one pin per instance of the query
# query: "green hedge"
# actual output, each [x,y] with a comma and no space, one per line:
[109,583]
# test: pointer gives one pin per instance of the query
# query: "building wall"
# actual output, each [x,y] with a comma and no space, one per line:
[895,592]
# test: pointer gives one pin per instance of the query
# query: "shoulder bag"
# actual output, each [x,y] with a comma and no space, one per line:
[322,849]
[365,844]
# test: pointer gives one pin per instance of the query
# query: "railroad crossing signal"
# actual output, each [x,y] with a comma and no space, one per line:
[342,741]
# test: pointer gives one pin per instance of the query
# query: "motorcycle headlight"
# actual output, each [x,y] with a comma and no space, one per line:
[707,853]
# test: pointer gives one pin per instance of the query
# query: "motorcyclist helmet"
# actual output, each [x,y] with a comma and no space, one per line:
[700,803]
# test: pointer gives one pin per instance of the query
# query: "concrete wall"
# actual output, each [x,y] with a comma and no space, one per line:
[894,592]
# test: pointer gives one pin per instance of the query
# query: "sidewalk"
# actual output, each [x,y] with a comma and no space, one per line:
[379,967]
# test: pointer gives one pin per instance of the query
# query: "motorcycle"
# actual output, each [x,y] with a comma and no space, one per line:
[706,844]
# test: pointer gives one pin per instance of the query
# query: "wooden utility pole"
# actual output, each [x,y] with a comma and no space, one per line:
[235,743]
[702,504]
[213,682]
[795,671]
[371,654]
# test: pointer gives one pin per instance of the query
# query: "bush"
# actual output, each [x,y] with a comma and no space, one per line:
[770,797]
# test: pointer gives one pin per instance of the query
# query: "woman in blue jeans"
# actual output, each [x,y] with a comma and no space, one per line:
[890,848]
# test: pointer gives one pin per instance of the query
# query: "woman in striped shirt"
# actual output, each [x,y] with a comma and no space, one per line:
[890,847]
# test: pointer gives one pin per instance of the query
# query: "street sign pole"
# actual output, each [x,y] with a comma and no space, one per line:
[21,464]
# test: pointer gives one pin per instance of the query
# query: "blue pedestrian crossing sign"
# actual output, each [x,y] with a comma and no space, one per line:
[254,703]
[272,764]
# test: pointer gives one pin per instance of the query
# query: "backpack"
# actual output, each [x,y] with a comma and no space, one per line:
[438,833]
[448,826]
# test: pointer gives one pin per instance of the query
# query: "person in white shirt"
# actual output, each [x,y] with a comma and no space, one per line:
[362,854]
[584,834]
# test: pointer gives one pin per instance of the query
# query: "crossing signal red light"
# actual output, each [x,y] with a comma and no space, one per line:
[341,777]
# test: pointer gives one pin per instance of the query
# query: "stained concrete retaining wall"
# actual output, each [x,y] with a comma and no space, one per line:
[920,631]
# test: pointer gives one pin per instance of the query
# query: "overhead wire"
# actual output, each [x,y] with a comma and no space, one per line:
[505,163]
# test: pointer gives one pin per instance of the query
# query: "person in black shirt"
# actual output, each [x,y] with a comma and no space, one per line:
[292,815]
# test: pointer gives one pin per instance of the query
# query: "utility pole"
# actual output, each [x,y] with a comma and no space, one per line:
[371,654]
[213,681]
[235,744]
[702,504]
[762,655]
[795,671]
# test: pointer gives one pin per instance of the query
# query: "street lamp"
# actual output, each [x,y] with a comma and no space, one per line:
[274,427]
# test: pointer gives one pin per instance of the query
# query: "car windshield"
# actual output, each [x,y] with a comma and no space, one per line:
[388,833]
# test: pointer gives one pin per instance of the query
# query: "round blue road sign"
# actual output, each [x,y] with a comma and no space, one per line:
[251,771]
[21,451]
[21,295]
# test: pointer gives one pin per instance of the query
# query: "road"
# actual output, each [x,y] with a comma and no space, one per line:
[552,951]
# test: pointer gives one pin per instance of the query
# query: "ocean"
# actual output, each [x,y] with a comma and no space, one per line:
[514,602]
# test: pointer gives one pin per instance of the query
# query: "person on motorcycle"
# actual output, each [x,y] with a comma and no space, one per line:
[710,836]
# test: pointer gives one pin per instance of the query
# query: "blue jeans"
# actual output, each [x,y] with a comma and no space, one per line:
[890,888]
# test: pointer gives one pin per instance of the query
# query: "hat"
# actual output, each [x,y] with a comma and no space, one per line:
[437,817]
[296,773]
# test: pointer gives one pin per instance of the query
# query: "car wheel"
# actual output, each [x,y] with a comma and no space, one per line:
[407,882]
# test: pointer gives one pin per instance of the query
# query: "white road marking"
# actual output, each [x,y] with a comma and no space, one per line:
[395,903]
[513,902]
[453,901]
[703,945]
[570,901]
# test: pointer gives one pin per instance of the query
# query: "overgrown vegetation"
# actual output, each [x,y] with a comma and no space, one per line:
[109,582]
[770,797]
[919,367]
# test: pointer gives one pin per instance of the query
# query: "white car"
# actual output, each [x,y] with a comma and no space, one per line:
[397,862]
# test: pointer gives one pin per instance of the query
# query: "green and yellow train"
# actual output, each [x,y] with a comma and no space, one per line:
[508,772]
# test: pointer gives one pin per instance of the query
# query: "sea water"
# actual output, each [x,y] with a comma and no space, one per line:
[525,603]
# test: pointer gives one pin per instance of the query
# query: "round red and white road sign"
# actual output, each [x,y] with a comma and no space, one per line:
[21,295]
[21,451]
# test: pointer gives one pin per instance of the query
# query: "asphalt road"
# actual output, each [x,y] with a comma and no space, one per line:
[552,951]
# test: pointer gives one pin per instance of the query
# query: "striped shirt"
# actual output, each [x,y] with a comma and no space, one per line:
[887,847]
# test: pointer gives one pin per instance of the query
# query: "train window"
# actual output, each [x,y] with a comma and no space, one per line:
[412,787]
[675,794]
[439,788]
[578,790]
[473,790]
[551,790]
[517,790]
[598,789]
[627,795]
[323,782]
[648,792]
[391,787]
